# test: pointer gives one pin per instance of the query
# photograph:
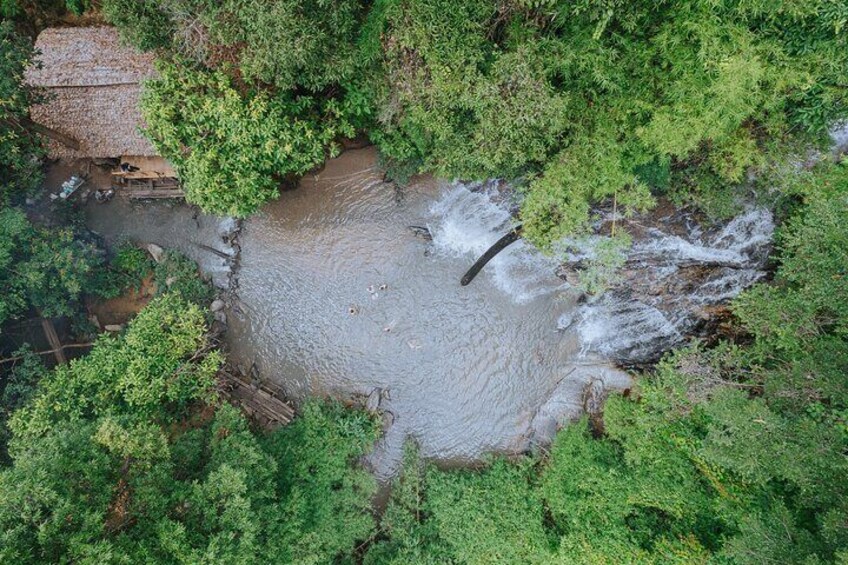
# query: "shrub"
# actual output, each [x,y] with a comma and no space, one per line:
[233,151]
[178,274]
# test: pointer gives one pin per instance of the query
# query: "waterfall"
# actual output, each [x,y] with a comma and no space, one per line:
[673,272]
[469,218]
[671,280]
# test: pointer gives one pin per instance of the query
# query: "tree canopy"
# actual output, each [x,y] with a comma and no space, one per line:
[20,151]
[579,102]
[126,455]
[732,453]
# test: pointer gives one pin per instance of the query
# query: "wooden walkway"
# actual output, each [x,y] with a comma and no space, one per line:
[261,401]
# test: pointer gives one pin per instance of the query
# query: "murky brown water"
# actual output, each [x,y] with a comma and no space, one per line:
[340,297]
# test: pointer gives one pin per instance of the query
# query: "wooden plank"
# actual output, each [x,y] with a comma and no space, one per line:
[260,401]
[155,193]
[144,184]
[155,165]
[277,412]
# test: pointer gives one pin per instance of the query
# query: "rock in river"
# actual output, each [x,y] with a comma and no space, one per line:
[155,251]
[373,402]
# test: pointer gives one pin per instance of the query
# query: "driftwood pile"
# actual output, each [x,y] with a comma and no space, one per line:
[261,401]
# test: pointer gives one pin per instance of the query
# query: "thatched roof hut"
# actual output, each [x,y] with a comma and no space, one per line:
[93,82]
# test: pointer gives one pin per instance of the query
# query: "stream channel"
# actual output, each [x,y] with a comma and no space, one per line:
[335,295]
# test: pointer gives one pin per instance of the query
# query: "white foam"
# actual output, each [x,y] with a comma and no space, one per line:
[839,135]
[467,221]
[619,328]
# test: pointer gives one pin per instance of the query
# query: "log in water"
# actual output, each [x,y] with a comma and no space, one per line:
[490,253]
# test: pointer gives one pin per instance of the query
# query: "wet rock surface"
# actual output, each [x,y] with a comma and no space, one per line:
[678,270]
[156,252]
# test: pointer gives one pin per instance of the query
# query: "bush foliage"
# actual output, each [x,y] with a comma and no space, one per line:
[733,454]
[48,270]
[20,150]
[126,456]
[231,150]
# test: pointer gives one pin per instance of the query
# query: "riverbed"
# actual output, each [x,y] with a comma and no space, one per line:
[339,296]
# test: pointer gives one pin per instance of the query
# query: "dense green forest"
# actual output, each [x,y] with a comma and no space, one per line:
[582,101]
[736,452]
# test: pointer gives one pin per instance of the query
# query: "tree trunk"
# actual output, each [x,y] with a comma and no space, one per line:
[29,125]
[499,246]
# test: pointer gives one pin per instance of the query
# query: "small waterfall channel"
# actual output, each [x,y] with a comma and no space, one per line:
[670,283]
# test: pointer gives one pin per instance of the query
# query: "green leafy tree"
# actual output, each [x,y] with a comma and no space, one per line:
[20,149]
[409,536]
[176,273]
[327,512]
[44,269]
[126,455]
[490,517]
[127,270]
[582,96]
[293,44]
[18,387]
[232,152]
[144,24]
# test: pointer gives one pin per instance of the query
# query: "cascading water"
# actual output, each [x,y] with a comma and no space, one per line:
[465,222]
[658,302]
[670,282]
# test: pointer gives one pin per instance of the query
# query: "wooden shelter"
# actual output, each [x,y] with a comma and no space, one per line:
[93,82]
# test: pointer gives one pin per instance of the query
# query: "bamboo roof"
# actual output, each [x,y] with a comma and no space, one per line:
[93,83]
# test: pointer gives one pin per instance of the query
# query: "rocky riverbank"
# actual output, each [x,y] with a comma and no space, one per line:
[679,272]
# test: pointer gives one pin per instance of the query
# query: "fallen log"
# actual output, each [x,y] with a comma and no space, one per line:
[48,352]
[501,244]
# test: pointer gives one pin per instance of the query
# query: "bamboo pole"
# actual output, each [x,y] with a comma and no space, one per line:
[53,338]
[48,352]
